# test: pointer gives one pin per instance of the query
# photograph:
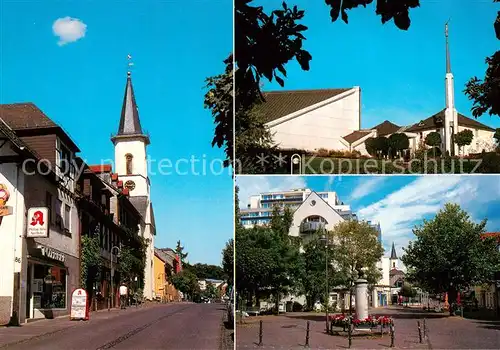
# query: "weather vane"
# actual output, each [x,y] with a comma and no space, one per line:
[130,63]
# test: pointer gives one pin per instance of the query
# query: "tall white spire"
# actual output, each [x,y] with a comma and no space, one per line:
[450,114]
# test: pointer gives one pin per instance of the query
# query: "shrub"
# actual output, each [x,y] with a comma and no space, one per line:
[322,152]
[297,307]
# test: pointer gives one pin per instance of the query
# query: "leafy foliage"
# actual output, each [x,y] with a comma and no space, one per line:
[398,142]
[357,251]
[463,138]
[179,250]
[485,93]
[496,136]
[449,255]
[219,99]
[203,271]
[90,260]
[228,261]
[267,259]
[408,291]
[186,282]
[433,139]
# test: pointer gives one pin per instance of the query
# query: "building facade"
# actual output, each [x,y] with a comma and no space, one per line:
[46,266]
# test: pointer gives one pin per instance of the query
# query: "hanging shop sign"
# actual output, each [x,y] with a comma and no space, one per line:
[79,305]
[4,197]
[51,253]
[38,223]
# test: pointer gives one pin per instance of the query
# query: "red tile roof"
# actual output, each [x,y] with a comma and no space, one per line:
[104,168]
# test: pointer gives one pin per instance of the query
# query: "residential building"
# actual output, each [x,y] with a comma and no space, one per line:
[166,264]
[106,212]
[331,119]
[41,174]
[131,163]
[260,207]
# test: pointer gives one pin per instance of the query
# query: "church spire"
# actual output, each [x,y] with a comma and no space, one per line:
[393,252]
[130,124]
[448,64]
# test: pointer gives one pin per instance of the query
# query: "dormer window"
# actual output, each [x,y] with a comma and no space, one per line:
[128,159]
[64,159]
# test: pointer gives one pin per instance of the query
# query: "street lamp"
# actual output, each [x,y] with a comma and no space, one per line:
[324,238]
[113,273]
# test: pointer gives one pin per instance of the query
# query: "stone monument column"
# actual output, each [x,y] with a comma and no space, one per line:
[361,299]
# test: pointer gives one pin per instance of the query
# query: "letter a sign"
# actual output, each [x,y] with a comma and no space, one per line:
[37,222]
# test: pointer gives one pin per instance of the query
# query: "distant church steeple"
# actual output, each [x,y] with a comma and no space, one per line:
[394,257]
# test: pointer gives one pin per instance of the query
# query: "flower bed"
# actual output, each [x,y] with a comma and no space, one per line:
[370,321]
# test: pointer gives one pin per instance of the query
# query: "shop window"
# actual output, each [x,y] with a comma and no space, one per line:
[50,287]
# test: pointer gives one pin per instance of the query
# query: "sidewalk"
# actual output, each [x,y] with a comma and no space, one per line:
[10,335]
[289,332]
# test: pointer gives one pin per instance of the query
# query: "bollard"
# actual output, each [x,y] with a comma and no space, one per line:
[419,332]
[260,333]
[349,330]
[425,329]
[109,304]
[392,335]
[307,335]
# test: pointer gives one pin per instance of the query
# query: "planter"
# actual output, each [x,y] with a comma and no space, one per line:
[342,321]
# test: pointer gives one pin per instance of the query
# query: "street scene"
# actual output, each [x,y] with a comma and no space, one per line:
[356,87]
[105,207]
[367,262]
[172,326]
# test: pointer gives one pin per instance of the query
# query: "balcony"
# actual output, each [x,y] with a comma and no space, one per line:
[311,226]
[283,199]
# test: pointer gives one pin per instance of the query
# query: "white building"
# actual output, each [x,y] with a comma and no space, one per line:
[331,119]
[312,211]
[37,274]
[132,167]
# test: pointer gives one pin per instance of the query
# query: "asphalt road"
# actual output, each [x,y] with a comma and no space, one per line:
[180,326]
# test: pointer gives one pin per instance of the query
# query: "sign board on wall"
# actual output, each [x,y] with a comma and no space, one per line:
[4,197]
[38,222]
[79,305]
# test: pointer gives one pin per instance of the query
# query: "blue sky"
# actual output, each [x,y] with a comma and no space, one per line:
[401,73]
[80,85]
[398,203]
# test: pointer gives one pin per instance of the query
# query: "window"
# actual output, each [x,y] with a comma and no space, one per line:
[64,159]
[128,158]
[67,217]
[59,218]
[51,282]
[48,204]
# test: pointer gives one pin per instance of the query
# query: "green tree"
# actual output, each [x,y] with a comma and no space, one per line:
[356,252]
[485,93]
[204,271]
[382,145]
[228,261]
[314,274]
[448,254]
[371,147]
[463,138]
[496,136]
[219,99]
[433,140]
[179,250]
[397,143]
[186,282]
[90,262]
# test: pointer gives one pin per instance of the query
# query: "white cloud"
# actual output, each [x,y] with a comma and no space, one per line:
[366,186]
[254,185]
[68,30]
[401,210]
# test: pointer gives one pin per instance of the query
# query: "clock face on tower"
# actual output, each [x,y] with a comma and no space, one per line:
[130,185]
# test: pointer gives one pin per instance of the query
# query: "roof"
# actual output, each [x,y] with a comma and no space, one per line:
[102,168]
[278,104]
[140,203]
[386,128]
[24,117]
[356,135]
[436,121]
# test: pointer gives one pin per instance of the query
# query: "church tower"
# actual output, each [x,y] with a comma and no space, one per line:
[394,258]
[450,126]
[131,165]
